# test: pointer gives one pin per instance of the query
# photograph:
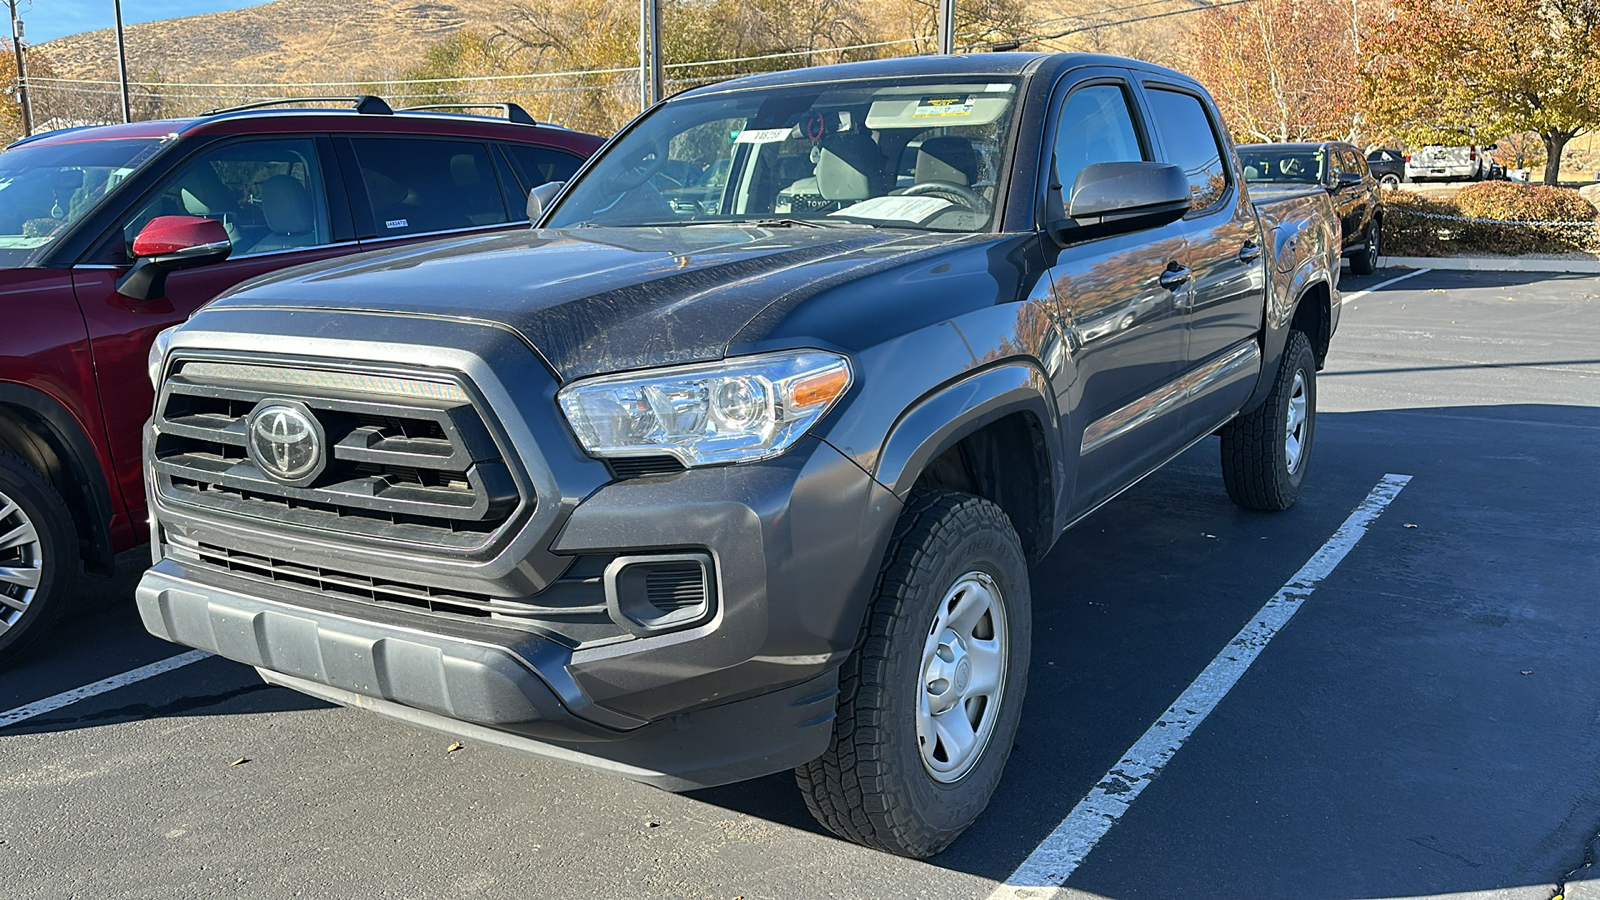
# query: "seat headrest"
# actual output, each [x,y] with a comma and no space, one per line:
[947,159]
[464,170]
[286,205]
[850,167]
[204,194]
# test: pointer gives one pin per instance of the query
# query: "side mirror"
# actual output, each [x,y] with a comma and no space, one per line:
[1344,180]
[539,199]
[1112,197]
[170,244]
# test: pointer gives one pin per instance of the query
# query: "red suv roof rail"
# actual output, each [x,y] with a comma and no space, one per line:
[514,113]
[365,104]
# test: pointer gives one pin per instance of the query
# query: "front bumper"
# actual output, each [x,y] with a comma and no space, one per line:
[790,545]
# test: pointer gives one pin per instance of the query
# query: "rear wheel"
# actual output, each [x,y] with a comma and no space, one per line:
[37,556]
[1365,261]
[930,700]
[1390,181]
[1265,452]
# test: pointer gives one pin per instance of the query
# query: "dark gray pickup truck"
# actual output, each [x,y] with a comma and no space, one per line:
[737,462]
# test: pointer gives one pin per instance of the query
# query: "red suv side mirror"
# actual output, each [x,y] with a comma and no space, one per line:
[169,244]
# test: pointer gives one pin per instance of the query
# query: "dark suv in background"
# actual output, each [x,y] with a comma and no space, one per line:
[1341,170]
[94,220]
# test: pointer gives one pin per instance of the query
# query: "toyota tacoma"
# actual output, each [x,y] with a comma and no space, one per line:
[736,462]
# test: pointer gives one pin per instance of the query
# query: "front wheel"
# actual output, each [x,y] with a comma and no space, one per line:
[1266,451]
[930,700]
[1365,261]
[38,548]
[1390,181]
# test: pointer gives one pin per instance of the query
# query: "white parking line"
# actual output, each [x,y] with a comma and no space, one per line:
[1348,298]
[67,698]
[1046,869]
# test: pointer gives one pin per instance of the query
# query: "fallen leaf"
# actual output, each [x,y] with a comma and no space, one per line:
[238,762]
[454,747]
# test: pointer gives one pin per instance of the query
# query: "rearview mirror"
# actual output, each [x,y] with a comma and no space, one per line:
[1110,197]
[539,199]
[170,244]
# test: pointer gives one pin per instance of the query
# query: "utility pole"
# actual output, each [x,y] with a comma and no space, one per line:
[947,26]
[651,79]
[22,70]
[122,61]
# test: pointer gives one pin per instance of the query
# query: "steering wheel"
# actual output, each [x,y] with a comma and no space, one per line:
[645,164]
[949,190]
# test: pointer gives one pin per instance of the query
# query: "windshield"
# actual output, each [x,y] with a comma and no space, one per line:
[1270,166]
[901,153]
[46,187]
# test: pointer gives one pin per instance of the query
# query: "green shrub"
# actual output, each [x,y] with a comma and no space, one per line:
[1504,201]
[1407,233]
[1411,228]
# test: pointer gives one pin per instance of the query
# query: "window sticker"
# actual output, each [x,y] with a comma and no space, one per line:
[764,135]
[944,107]
[397,223]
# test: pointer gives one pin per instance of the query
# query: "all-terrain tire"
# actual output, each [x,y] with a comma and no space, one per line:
[874,785]
[38,556]
[1265,453]
[1365,262]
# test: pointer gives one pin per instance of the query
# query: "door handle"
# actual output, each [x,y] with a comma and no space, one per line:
[1250,252]
[1175,276]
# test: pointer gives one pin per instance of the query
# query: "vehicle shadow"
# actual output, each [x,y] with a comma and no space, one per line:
[1371,751]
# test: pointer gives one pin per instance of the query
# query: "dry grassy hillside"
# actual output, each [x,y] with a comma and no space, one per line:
[287,40]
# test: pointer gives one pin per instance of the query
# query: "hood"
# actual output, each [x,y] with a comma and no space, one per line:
[596,300]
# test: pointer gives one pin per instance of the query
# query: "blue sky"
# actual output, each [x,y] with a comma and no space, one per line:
[45,20]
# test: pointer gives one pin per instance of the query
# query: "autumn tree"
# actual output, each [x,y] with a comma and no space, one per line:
[10,98]
[1441,70]
[1281,70]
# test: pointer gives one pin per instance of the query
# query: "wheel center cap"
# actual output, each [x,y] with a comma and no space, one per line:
[963,675]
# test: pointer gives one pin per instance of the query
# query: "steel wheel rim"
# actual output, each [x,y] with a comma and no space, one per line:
[21,563]
[1295,426]
[962,677]
[1372,246]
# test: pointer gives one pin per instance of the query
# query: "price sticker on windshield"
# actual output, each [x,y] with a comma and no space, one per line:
[944,107]
[764,135]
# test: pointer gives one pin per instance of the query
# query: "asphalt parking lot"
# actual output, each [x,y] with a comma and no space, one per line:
[1427,724]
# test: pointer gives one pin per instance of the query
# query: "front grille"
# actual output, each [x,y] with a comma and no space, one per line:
[408,459]
[572,610]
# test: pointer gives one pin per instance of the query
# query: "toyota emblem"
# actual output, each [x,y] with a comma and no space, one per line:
[286,443]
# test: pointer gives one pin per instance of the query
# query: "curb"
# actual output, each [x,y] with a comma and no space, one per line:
[1492,264]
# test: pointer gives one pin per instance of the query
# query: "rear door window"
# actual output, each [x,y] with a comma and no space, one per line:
[424,185]
[1192,143]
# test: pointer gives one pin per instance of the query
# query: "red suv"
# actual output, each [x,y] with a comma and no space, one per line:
[93,221]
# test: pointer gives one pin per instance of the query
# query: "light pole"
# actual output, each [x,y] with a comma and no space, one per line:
[122,61]
[22,70]
[947,27]
[651,79]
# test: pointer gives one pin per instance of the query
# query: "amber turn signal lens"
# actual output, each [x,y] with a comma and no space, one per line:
[821,388]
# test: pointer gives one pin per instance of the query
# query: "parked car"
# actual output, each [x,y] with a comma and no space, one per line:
[694,492]
[1470,162]
[110,234]
[1340,170]
[1388,166]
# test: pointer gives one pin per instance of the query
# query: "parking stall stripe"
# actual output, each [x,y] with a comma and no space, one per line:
[1047,868]
[1352,297]
[67,698]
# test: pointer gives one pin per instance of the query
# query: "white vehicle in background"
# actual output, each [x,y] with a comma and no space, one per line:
[1472,162]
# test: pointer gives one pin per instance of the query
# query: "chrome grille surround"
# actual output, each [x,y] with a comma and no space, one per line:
[411,459]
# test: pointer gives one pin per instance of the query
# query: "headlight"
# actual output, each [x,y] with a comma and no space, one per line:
[158,352]
[737,410]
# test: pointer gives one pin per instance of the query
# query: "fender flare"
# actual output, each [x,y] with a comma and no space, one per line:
[943,417]
[81,482]
[1275,338]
